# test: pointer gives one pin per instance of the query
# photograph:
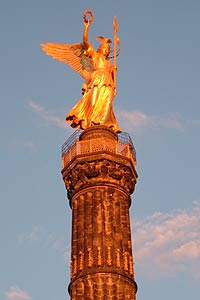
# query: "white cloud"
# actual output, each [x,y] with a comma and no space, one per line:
[167,243]
[34,235]
[47,116]
[55,242]
[67,254]
[40,236]
[30,145]
[17,294]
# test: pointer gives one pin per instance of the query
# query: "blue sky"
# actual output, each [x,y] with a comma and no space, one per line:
[158,84]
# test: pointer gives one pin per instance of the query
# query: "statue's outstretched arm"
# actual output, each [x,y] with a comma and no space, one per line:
[78,56]
[85,34]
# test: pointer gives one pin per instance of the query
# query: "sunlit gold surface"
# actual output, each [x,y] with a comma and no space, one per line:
[96,105]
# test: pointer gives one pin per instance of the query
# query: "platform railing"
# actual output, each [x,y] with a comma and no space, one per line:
[123,137]
[95,146]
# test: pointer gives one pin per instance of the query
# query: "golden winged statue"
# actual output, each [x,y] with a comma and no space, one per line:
[98,91]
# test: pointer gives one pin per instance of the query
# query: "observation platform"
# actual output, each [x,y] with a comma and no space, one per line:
[74,146]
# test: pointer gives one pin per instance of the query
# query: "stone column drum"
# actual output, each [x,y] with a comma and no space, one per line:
[100,175]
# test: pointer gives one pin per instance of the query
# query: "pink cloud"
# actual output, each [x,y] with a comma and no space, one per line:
[17,294]
[47,116]
[165,243]
[190,249]
[137,120]
[134,120]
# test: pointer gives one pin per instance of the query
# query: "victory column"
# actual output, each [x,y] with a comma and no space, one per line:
[99,172]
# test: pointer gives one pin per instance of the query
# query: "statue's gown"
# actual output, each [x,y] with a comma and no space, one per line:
[96,105]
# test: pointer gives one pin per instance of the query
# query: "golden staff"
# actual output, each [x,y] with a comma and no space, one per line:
[116,41]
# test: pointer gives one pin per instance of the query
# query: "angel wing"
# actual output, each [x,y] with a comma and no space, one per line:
[71,54]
